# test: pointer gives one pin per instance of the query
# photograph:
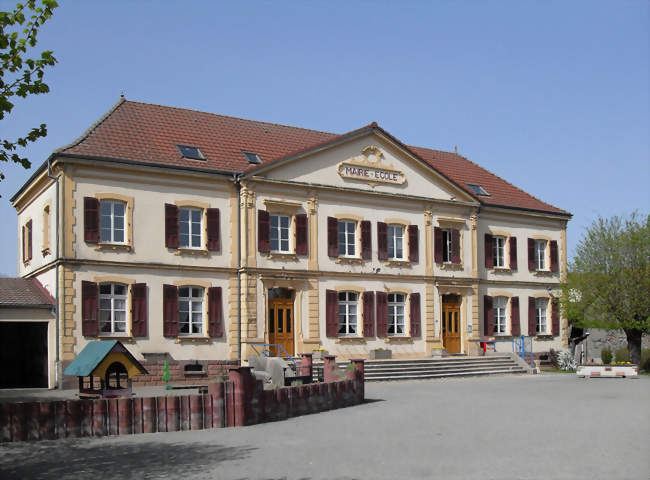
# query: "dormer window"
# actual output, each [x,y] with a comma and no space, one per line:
[252,158]
[190,152]
[478,190]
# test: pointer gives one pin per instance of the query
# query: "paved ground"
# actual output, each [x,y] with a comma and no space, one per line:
[547,426]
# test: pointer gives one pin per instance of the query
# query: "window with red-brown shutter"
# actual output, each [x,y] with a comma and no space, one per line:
[382,241]
[366,240]
[381,304]
[555,318]
[332,237]
[554,256]
[89,309]
[301,234]
[213,229]
[368,314]
[91,220]
[414,315]
[414,243]
[139,310]
[331,313]
[515,328]
[489,251]
[531,255]
[170,311]
[171,226]
[215,312]
[531,317]
[488,316]
[263,231]
[512,241]
[437,244]
[455,246]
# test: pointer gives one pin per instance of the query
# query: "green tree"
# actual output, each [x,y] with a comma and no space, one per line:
[20,74]
[608,285]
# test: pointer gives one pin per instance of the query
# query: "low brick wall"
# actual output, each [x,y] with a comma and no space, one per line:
[239,401]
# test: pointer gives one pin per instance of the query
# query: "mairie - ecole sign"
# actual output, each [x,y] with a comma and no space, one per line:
[367,168]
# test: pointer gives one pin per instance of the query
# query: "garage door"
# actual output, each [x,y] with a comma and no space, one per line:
[23,354]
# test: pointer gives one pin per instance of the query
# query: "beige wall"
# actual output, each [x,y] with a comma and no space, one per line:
[43,246]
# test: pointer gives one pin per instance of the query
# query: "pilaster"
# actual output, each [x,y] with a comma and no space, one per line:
[312,213]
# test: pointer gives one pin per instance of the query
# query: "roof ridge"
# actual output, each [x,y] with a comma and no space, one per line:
[494,175]
[232,116]
[92,127]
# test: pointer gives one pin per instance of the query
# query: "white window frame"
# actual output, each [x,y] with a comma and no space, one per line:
[113,309]
[540,254]
[282,233]
[396,319]
[112,216]
[541,315]
[499,251]
[395,237]
[195,327]
[349,243]
[348,313]
[500,309]
[191,228]
[446,245]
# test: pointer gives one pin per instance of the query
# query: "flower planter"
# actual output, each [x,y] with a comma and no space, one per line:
[607,371]
[381,354]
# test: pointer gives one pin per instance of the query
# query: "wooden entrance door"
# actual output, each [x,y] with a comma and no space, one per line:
[281,321]
[451,323]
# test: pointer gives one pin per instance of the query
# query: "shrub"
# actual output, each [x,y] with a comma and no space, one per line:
[606,355]
[565,360]
[553,356]
[645,360]
[622,355]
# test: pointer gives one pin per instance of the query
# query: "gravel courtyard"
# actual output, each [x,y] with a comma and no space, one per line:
[548,426]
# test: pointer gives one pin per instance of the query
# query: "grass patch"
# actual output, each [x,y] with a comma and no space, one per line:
[557,370]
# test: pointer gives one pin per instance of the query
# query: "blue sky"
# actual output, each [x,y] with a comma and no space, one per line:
[553,96]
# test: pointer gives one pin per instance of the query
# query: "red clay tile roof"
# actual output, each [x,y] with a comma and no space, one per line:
[24,292]
[149,133]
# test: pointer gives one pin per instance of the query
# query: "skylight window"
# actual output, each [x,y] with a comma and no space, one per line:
[190,152]
[478,190]
[252,158]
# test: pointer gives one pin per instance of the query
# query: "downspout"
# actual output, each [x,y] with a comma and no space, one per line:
[56,281]
[235,179]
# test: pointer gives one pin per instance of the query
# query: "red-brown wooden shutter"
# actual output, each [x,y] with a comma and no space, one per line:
[382,241]
[531,254]
[29,240]
[331,313]
[489,251]
[89,309]
[139,310]
[414,243]
[416,323]
[170,311]
[513,253]
[437,244]
[381,302]
[213,229]
[455,246]
[555,318]
[91,220]
[488,316]
[366,240]
[171,226]
[263,231]
[24,246]
[515,328]
[332,237]
[301,234]
[215,312]
[531,316]
[554,256]
[368,314]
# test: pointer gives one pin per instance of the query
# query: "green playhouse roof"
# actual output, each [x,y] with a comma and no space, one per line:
[93,354]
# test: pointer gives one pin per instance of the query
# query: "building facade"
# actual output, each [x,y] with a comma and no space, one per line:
[203,237]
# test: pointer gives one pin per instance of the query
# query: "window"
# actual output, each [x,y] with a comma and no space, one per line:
[500,305]
[541,306]
[348,307]
[446,246]
[280,225]
[112,308]
[27,241]
[540,254]
[478,190]
[252,158]
[190,310]
[190,220]
[499,250]
[190,152]
[347,238]
[111,221]
[396,313]
[395,242]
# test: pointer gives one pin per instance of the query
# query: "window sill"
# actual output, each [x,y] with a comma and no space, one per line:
[192,339]
[544,336]
[397,340]
[451,266]
[124,247]
[398,263]
[543,273]
[27,262]
[45,251]
[283,256]
[349,260]
[351,340]
[122,337]
[197,252]
[501,270]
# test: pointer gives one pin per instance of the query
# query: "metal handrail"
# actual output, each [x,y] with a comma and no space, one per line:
[280,348]
[518,347]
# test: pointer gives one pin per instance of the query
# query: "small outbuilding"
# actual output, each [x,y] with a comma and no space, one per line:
[105,369]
